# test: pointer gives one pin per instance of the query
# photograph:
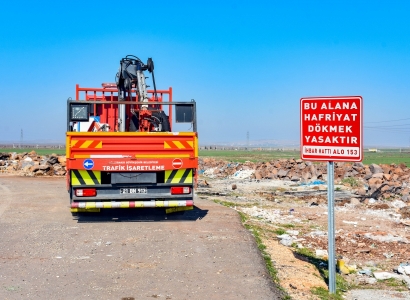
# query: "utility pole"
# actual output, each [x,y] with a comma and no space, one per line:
[21,138]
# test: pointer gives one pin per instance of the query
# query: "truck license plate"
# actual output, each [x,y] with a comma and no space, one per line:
[140,190]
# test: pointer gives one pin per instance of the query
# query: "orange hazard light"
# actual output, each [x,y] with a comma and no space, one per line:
[86,192]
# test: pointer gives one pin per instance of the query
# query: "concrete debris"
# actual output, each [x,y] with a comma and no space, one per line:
[370,183]
[386,238]
[33,164]
[404,269]
[385,275]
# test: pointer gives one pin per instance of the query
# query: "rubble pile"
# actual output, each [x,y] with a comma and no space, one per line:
[32,164]
[369,181]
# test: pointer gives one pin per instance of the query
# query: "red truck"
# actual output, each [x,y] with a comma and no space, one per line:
[120,147]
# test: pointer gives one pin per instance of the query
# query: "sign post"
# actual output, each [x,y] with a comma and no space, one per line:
[331,130]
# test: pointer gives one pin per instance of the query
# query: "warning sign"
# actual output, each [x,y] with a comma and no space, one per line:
[331,128]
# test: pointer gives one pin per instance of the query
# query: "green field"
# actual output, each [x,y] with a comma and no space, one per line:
[40,151]
[253,155]
[386,157]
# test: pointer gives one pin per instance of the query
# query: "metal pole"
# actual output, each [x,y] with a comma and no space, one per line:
[331,226]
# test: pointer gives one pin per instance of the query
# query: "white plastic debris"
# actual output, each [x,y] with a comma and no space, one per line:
[321,253]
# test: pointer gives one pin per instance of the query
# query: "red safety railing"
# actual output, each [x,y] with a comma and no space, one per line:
[108,113]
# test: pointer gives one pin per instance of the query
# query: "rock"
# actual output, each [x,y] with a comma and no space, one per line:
[363,250]
[234,187]
[286,240]
[39,168]
[57,167]
[4,156]
[283,173]
[52,160]
[399,171]
[375,181]
[366,280]
[358,165]
[292,232]
[354,201]
[258,175]
[398,204]
[387,176]
[385,275]
[378,175]
[380,206]
[405,212]
[375,169]
[295,178]
[27,164]
[404,270]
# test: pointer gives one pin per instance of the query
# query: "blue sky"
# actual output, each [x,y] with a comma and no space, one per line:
[246,63]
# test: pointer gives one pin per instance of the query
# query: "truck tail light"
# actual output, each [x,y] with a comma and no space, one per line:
[85,192]
[178,190]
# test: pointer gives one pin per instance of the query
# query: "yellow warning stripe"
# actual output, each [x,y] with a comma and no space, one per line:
[179,176]
[178,144]
[196,146]
[85,177]
[94,144]
[82,155]
[86,144]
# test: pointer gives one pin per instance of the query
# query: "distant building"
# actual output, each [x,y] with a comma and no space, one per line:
[373,150]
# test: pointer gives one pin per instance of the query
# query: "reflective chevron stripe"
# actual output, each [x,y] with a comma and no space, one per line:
[178,144]
[86,144]
[179,176]
[85,177]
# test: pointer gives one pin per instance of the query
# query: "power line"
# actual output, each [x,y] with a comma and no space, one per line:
[398,130]
[388,121]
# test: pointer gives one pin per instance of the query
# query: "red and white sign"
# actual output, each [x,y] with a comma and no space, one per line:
[177,163]
[331,128]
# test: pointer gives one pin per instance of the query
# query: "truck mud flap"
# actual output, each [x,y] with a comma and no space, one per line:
[176,209]
[87,210]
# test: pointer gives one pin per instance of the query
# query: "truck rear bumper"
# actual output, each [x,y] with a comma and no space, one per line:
[131,204]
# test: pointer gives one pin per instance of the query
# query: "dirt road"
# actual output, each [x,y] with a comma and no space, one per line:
[45,253]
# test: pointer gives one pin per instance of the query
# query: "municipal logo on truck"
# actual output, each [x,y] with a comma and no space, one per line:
[177,163]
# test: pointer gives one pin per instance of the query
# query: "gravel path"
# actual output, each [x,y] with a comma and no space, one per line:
[46,254]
